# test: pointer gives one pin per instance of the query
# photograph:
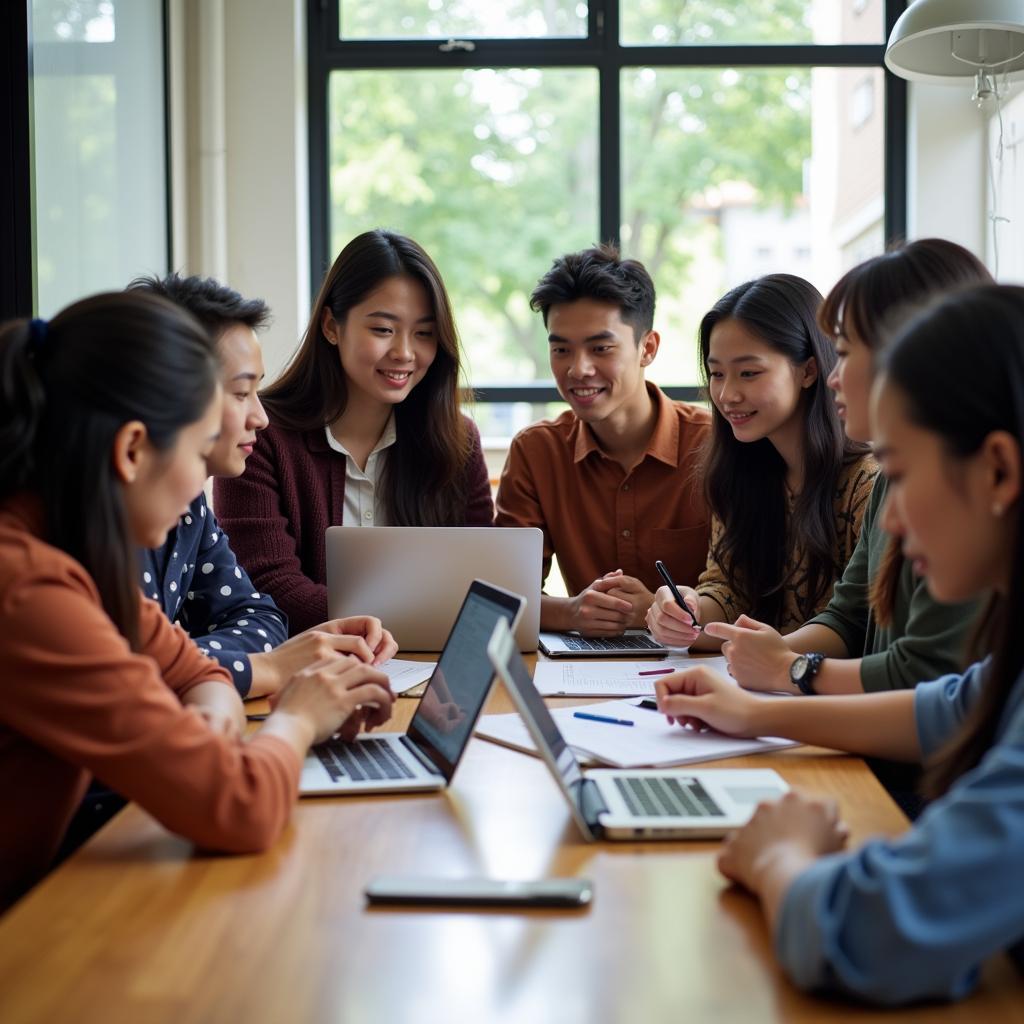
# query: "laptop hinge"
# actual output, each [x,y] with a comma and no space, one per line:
[592,805]
[419,755]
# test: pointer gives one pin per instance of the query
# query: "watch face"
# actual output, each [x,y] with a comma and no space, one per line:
[799,668]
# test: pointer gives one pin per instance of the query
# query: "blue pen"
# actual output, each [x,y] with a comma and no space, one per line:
[601,718]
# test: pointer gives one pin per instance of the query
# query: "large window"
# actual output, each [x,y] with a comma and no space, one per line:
[99,171]
[714,140]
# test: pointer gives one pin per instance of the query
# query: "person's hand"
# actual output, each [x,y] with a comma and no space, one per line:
[222,721]
[781,839]
[630,589]
[376,638]
[598,612]
[758,656]
[338,694]
[668,623]
[701,698]
[365,639]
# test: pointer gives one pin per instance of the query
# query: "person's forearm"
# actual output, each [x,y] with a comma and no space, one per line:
[296,730]
[709,611]
[213,694]
[775,871]
[265,677]
[556,614]
[838,676]
[820,639]
[871,724]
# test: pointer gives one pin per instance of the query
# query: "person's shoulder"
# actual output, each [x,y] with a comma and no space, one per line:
[859,471]
[691,414]
[545,433]
[27,560]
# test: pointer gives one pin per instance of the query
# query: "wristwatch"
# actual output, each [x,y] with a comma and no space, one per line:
[803,670]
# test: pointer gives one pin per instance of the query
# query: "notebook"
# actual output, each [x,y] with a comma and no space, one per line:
[632,804]
[413,578]
[426,755]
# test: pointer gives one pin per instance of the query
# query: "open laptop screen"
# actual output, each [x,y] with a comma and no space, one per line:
[456,692]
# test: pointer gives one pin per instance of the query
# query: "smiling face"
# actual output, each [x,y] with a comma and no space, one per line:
[241,372]
[159,485]
[596,361]
[952,515]
[387,342]
[851,380]
[755,388]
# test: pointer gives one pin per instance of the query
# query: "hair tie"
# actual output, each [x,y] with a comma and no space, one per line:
[37,330]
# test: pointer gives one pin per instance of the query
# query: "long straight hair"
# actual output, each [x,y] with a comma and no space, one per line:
[424,477]
[66,390]
[875,293]
[745,482]
[958,367]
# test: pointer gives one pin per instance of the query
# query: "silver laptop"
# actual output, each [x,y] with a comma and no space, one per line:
[426,756]
[656,803]
[633,643]
[413,577]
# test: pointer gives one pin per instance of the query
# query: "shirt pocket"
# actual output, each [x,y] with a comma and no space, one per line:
[684,552]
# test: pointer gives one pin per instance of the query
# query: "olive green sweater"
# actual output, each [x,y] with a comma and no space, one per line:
[925,639]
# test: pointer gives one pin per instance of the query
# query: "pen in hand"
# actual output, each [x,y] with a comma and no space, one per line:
[670,583]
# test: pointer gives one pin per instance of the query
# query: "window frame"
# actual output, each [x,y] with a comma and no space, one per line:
[600,49]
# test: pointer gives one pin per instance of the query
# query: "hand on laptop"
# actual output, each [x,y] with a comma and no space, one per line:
[339,694]
[362,636]
[597,611]
[668,623]
[630,589]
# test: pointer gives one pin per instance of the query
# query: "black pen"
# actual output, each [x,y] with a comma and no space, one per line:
[670,583]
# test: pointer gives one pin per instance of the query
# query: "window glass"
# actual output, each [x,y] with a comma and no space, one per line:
[462,19]
[729,174]
[99,165]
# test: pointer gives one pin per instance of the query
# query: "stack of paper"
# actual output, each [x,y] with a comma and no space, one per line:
[404,675]
[611,678]
[649,742]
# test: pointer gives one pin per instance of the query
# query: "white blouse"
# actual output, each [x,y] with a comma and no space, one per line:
[364,504]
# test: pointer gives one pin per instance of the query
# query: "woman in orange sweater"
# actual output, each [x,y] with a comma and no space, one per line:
[106,416]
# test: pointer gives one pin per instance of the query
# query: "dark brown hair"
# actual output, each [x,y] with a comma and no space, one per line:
[958,367]
[877,293]
[66,388]
[745,483]
[424,477]
[599,273]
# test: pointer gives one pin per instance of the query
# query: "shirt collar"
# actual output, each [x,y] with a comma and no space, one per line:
[664,441]
[387,439]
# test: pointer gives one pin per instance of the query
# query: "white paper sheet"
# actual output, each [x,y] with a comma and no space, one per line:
[404,675]
[649,742]
[611,678]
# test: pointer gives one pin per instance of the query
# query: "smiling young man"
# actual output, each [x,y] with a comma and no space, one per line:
[613,482]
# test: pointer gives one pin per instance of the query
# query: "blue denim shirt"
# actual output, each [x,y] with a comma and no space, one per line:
[198,582]
[914,917]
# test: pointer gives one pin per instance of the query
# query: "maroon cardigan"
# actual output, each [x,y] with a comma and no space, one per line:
[277,512]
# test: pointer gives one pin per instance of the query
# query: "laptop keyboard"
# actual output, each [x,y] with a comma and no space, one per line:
[368,759]
[616,643]
[652,796]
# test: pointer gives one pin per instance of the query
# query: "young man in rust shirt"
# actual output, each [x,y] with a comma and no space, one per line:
[614,483]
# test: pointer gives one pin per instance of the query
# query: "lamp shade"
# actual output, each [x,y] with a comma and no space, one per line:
[950,40]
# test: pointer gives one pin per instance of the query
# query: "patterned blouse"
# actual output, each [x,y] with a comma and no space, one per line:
[851,498]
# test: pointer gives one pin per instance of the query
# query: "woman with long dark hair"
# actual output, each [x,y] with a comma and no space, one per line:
[882,629]
[365,427]
[107,414]
[786,488]
[913,917]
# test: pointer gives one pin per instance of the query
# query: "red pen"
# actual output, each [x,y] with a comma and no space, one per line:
[656,672]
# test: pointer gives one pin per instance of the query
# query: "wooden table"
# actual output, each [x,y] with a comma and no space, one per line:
[139,927]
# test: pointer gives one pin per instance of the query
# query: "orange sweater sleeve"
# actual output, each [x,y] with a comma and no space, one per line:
[75,689]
